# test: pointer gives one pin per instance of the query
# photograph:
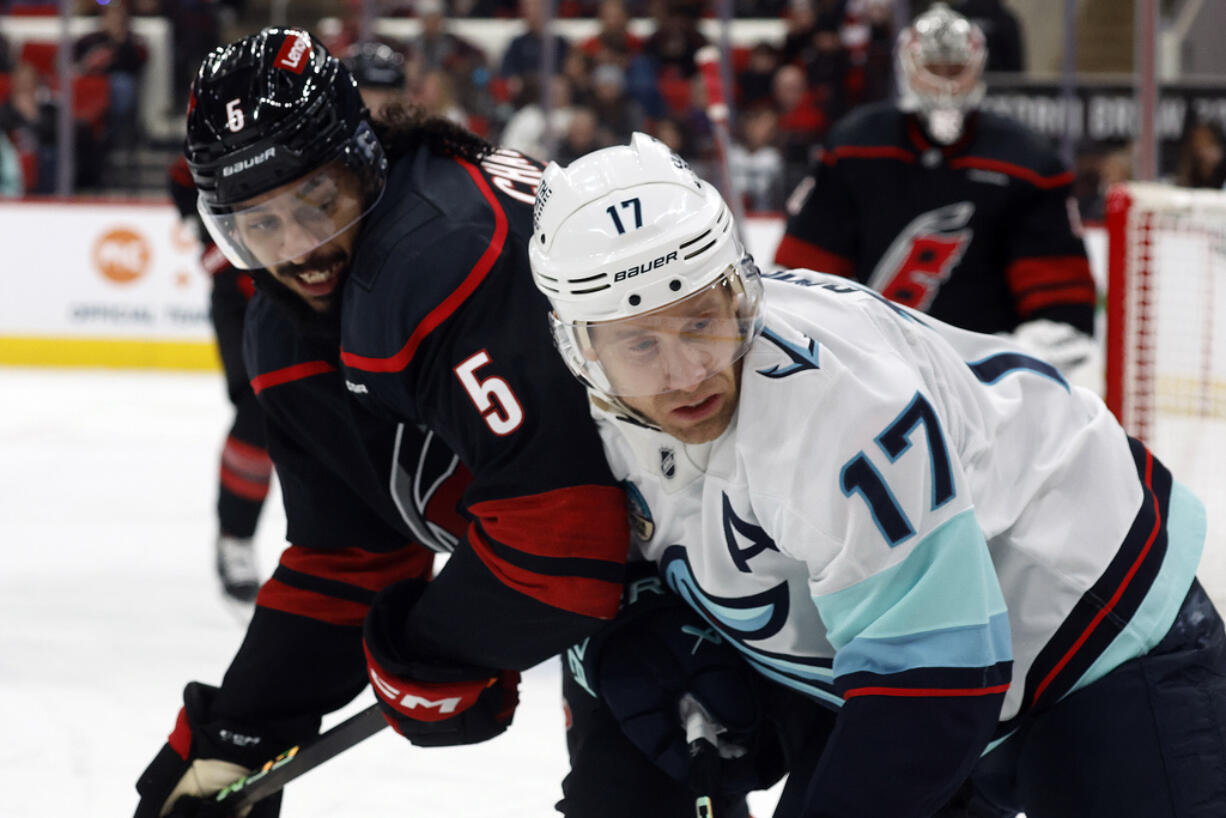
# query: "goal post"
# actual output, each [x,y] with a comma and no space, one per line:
[1166,338]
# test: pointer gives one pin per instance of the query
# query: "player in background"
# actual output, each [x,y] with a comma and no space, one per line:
[245,466]
[409,411]
[924,528]
[379,71]
[950,209]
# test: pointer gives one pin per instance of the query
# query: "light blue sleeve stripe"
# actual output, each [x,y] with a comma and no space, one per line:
[969,646]
[1185,530]
[945,585]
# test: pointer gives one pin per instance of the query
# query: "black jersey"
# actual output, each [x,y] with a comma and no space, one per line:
[436,416]
[981,234]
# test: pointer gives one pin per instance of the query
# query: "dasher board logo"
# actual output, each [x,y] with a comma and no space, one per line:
[292,53]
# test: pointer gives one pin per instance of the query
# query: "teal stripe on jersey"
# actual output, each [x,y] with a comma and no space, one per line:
[968,646]
[812,690]
[946,583]
[1185,532]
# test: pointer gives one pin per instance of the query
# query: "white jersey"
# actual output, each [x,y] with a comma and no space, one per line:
[900,507]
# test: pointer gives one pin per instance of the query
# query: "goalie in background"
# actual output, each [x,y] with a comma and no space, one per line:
[950,209]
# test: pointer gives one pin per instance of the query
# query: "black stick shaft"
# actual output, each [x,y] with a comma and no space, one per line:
[278,772]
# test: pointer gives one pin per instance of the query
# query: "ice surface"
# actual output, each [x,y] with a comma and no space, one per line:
[109,605]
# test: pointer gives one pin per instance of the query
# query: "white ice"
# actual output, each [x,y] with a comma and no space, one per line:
[109,605]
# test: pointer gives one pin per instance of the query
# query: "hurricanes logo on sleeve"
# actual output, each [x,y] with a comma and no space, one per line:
[923,256]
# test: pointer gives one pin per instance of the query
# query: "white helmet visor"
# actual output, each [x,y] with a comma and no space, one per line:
[673,348]
[290,221]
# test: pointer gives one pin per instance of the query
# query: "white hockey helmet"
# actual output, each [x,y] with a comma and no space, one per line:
[939,61]
[624,234]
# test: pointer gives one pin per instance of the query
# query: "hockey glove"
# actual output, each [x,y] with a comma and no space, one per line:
[655,664]
[204,755]
[432,703]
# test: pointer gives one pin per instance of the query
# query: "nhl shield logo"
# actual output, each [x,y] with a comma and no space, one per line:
[668,462]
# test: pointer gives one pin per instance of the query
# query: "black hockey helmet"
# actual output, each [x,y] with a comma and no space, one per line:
[375,65]
[265,111]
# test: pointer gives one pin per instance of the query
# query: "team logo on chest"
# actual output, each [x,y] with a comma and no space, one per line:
[923,256]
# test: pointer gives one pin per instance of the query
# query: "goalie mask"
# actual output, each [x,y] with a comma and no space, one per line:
[280,148]
[939,63]
[651,290]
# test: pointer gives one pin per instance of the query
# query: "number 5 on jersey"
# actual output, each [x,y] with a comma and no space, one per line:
[493,396]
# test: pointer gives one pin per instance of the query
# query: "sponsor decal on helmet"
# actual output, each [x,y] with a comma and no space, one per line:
[290,57]
[646,267]
[249,162]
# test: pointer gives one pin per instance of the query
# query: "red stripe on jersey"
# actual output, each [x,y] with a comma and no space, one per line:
[359,568]
[452,302]
[1038,283]
[1016,171]
[867,152]
[180,738]
[793,252]
[244,457]
[588,597]
[290,373]
[242,486]
[278,596]
[1034,302]
[1119,592]
[925,691]
[580,522]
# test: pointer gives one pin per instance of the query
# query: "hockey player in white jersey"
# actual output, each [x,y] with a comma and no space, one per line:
[920,526]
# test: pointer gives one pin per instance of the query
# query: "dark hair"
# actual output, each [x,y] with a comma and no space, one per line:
[403,128]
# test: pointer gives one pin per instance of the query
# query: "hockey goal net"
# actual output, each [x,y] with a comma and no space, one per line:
[1166,332]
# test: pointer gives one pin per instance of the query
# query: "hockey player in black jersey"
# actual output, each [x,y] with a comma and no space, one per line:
[246,470]
[947,208]
[414,405]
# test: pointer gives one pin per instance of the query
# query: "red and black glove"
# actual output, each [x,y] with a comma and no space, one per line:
[205,754]
[431,702]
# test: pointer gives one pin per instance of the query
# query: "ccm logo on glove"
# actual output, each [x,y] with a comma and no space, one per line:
[416,701]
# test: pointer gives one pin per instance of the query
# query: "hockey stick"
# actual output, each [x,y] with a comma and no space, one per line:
[295,761]
[708,61]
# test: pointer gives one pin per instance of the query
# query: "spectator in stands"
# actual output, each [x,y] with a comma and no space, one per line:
[380,74]
[28,119]
[582,136]
[11,181]
[801,121]
[525,52]
[753,83]
[619,114]
[676,40]
[670,132]
[526,130]
[1202,157]
[1000,29]
[613,43]
[116,51]
[577,68]
[436,94]
[755,162]
[437,48]
[195,31]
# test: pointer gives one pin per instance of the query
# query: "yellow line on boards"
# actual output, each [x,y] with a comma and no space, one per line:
[108,352]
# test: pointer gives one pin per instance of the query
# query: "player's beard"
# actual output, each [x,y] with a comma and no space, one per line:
[323,259]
